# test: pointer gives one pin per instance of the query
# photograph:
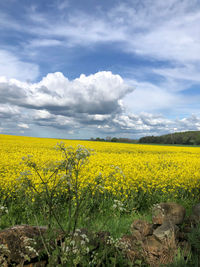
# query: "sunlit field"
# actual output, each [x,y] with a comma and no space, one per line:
[120,169]
[99,187]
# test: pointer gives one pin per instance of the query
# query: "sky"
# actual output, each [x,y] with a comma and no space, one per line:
[78,69]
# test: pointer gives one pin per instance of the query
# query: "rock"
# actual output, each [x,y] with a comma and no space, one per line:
[166,231]
[159,253]
[20,244]
[171,212]
[195,216]
[196,210]
[131,248]
[140,229]
[152,245]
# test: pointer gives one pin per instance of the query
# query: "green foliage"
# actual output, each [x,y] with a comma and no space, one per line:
[115,139]
[194,238]
[182,138]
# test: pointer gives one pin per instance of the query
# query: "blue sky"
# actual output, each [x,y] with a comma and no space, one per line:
[81,69]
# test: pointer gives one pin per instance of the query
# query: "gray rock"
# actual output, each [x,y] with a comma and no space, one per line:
[166,231]
[196,212]
[168,212]
[153,245]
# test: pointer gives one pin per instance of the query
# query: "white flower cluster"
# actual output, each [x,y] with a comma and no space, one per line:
[3,209]
[158,210]
[118,206]
[75,247]
[29,244]
[4,253]
[118,243]
[94,258]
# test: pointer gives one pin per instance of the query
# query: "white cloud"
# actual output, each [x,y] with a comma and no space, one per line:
[159,29]
[23,125]
[42,114]
[99,93]
[43,43]
[8,110]
[99,117]
[149,97]
[150,124]
[189,123]
[186,72]
[101,102]
[12,67]
[164,30]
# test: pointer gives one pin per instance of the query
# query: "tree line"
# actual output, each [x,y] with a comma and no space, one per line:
[114,139]
[182,138]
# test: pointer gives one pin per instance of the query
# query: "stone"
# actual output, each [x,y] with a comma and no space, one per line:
[166,231]
[196,209]
[195,216]
[152,245]
[159,253]
[169,211]
[131,248]
[20,244]
[142,228]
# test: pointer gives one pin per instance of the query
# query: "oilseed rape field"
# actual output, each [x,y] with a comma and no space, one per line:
[119,169]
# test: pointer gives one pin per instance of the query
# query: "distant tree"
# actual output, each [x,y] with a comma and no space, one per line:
[99,139]
[186,138]
[114,139]
[197,140]
[108,138]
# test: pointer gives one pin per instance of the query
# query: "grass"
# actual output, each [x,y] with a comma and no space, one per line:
[97,215]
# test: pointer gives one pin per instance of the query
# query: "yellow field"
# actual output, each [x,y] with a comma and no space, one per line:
[122,168]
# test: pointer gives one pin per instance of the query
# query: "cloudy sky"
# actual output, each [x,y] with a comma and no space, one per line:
[88,68]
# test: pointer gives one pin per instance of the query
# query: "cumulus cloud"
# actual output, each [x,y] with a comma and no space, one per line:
[96,103]
[98,93]
[57,102]
[150,124]
[190,123]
